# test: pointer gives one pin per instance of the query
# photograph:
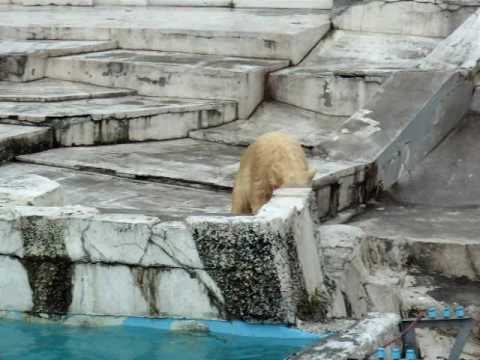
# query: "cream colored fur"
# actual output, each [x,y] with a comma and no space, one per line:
[275,160]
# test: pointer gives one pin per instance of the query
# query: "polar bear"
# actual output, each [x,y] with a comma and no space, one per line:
[275,160]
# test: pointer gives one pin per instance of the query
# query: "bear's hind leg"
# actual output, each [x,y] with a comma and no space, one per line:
[240,205]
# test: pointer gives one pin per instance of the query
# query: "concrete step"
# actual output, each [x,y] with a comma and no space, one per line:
[50,90]
[186,161]
[25,60]
[119,119]
[15,140]
[437,241]
[111,194]
[343,72]
[261,33]
[172,74]
[298,4]
[310,128]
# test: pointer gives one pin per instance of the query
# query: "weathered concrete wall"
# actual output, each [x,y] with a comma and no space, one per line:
[74,260]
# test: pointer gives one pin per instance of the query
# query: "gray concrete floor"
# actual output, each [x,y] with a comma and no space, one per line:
[114,194]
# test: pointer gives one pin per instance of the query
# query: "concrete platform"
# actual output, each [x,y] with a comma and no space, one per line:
[16,140]
[120,119]
[449,176]
[342,73]
[186,161]
[111,194]
[262,33]
[172,74]
[49,90]
[25,60]
[308,127]
[437,241]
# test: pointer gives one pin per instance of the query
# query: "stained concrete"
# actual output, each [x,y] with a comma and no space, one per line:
[116,195]
[450,175]
[184,161]
[280,34]
[49,90]
[308,127]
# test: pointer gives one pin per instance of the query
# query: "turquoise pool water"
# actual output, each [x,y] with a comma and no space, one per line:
[21,341]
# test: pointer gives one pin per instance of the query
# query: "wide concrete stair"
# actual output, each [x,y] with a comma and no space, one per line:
[172,74]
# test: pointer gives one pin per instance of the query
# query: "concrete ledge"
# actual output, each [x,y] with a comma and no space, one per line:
[30,190]
[357,342]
